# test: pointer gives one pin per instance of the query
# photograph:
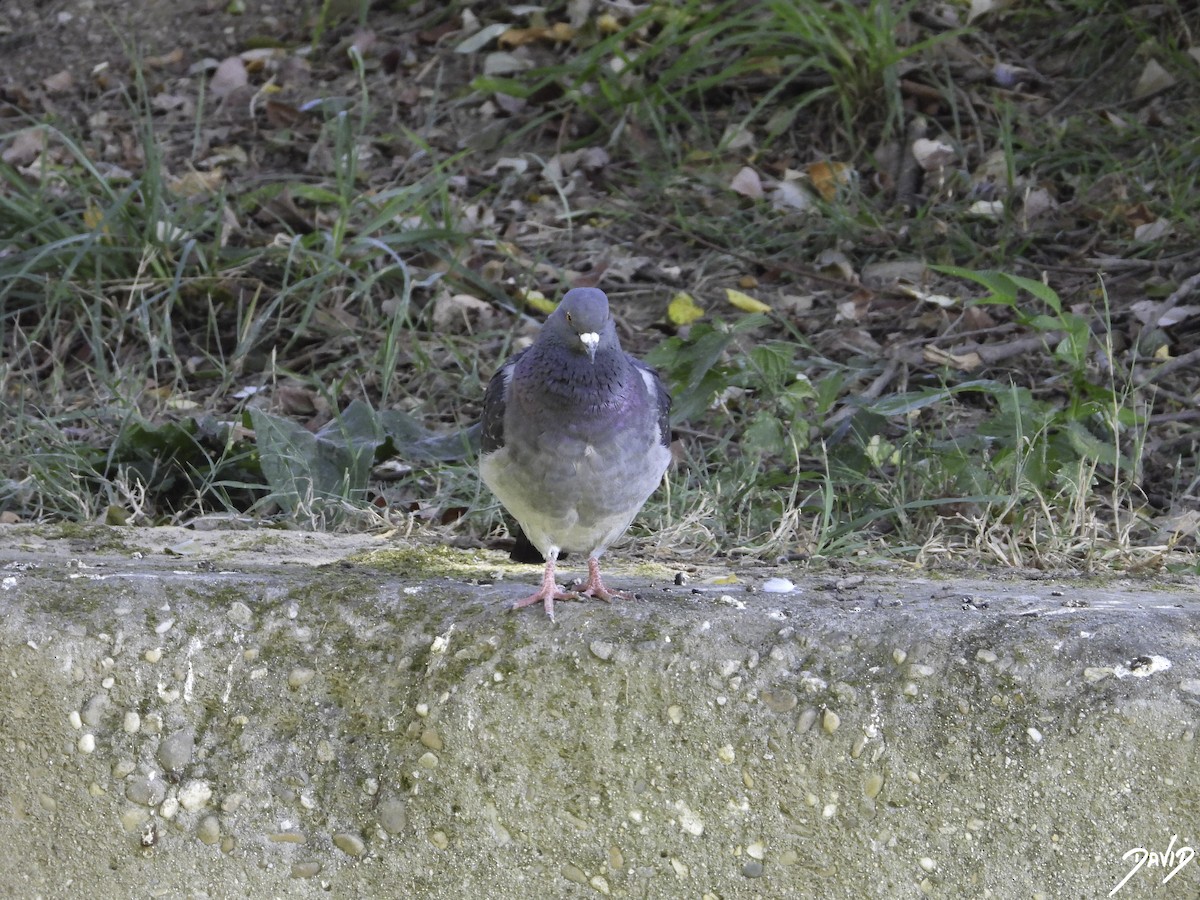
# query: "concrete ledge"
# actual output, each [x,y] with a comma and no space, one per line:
[232,722]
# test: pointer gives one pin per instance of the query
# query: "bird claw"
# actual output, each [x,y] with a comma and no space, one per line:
[550,591]
[547,598]
[595,586]
[600,592]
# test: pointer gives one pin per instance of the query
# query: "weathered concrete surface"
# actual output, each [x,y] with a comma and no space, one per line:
[269,728]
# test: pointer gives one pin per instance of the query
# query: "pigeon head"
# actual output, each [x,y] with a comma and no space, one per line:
[582,323]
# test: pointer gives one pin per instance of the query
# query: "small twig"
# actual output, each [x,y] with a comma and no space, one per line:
[1179,362]
[994,353]
[908,172]
[876,388]
[1186,415]
[791,269]
[1189,285]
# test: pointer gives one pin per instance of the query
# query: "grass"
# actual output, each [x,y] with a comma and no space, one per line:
[165,334]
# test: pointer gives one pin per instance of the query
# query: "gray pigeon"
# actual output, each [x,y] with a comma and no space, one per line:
[575,439]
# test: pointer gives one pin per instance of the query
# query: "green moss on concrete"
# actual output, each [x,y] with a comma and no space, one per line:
[432,561]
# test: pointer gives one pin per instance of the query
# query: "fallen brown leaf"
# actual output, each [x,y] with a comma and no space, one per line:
[230,75]
[965,362]
[558,33]
[827,177]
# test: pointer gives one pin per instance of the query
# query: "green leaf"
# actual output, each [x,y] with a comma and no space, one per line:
[911,401]
[1004,287]
[764,435]
[314,475]
[1088,446]
[687,365]
[508,86]
[407,437]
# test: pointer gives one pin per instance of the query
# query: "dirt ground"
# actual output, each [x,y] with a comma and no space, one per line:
[72,62]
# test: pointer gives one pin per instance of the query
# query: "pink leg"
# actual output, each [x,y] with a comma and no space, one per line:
[595,585]
[548,592]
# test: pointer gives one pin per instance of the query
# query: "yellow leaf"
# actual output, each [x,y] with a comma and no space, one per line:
[607,23]
[537,300]
[558,33]
[827,177]
[93,218]
[683,310]
[745,302]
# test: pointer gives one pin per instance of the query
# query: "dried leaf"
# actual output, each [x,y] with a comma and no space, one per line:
[1136,215]
[607,23]
[558,33]
[1038,202]
[1154,79]
[932,155]
[174,58]
[839,262]
[195,184]
[594,159]
[538,301]
[59,83]
[167,233]
[827,177]
[229,76]
[460,313]
[790,195]
[888,273]
[1148,311]
[257,57]
[936,299]
[747,183]
[93,217]
[964,362]
[482,38]
[980,8]
[25,146]
[683,309]
[1153,231]
[224,154]
[986,209]
[501,62]
[363,41]
[745,302]
[515,164]
[165,102]
[736,137]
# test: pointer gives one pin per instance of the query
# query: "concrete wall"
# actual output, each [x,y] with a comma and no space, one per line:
[235,723]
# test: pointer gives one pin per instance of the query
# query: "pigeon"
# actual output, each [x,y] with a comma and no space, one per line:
[575,439]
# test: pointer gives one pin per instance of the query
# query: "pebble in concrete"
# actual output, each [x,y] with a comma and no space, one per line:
[93,710]
[350,844]
[175,751]
[306,869]
[145,790]
[300,676]
[195,795]
[209,830]
[393,815]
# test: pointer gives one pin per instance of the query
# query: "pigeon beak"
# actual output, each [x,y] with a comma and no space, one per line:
[589,340]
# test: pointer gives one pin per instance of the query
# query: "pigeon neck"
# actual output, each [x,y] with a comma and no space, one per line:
[582,382]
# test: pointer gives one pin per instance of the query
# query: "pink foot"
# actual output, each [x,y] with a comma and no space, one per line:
[595,585]
[547,593]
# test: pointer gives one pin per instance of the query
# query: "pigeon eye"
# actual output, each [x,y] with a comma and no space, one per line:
[568,317]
